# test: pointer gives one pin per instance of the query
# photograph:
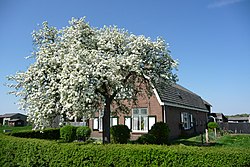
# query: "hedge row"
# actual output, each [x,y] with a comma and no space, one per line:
[49,134]
[35,152]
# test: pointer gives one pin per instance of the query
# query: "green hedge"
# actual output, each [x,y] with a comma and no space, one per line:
[34,152]
[83,133]
[49,134]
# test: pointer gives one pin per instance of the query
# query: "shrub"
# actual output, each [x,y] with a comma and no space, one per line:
[120,134]
[160,131]
[146,139]
[158,134]
[68,133]
[35,152]
[83,133]
[49,134]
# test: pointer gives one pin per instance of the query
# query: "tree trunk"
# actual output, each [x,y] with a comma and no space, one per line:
[106,122]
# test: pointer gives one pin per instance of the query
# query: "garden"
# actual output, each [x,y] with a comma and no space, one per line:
[71,146]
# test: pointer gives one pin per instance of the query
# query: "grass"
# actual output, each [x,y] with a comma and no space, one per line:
[229,140]
[239,141]
[15,129]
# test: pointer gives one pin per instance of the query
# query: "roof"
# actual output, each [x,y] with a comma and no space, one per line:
[178,95]
[15,120]
[238,118]
[8,115]
[206,103]
[217,114]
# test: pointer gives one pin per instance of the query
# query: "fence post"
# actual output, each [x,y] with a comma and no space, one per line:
[207,139]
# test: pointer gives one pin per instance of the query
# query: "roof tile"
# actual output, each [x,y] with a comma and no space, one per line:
[177,94]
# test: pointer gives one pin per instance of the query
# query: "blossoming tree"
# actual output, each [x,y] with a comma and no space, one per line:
[79,70]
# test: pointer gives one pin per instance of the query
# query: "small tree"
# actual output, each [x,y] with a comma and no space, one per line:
[79,70]
[214,126]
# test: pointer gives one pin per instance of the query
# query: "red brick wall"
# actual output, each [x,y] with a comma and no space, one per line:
[173,118]
[154,109]
[173,115]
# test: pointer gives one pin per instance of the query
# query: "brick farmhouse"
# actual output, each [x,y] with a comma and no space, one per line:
[185,112]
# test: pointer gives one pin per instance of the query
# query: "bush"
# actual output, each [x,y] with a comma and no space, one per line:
[83,133]
[49,134]
[68,133]
[160,131]
[120,134]
[35,152]
[146,139]
[157,135]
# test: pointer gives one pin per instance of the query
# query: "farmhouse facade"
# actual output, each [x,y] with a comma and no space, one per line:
[185,112]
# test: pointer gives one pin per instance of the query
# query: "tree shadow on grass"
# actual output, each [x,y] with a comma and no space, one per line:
[193,143]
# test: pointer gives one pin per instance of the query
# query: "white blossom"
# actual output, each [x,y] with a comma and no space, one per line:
[77,66]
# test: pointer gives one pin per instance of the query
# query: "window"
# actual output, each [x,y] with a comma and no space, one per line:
[140,119]
[97,122]
[186,120]
[6,122]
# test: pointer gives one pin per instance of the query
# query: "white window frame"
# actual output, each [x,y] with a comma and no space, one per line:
[140,120]
[114,120]
[187,120]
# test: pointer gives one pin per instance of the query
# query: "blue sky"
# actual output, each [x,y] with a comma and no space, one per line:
[210,38]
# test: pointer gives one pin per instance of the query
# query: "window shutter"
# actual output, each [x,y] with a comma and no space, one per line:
[151,121]
[182,118]
[127,121]
[95,124]
[191,120]
[114,121]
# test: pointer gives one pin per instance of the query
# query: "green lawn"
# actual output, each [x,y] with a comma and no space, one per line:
[15,129]
[239,141]
[230,140]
